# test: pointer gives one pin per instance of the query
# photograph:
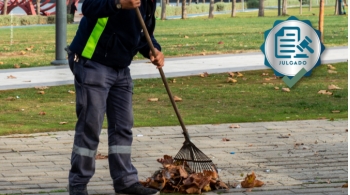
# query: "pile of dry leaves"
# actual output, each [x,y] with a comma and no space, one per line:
[176,176]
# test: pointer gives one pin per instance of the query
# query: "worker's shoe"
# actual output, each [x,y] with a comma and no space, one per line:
[78,190]
[138,189]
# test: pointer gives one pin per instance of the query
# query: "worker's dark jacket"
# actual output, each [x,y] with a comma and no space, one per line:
[113,36]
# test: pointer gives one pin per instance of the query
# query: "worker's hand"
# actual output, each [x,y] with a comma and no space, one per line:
[130,4]
[158,59]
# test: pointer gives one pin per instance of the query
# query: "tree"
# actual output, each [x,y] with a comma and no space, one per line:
[321,18]
[177,2]
[211,9]
[38,7]
[4,11]
[183,13]
[301,7]
[261,8]
[163,14]
[284,7]
[233,11]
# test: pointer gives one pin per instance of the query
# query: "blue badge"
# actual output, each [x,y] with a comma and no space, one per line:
[292,48]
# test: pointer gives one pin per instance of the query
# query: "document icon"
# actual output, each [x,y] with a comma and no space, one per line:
[286,40]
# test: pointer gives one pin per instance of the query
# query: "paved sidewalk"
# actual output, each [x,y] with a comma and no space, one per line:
[294,157]
[181,66]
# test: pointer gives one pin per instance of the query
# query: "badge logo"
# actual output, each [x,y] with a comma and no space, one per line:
[292,48]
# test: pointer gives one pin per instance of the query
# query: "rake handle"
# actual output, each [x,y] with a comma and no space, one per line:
[148,38]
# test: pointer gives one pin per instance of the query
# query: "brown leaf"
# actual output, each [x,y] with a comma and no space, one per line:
[193,190]
[11,77]
[204,74]
[173,81]
[231,74]
[23,52]
[177,99]
[231,80]
[186,37]
[249,181]
[330,66]
[285,89]
[10,98]
[100,156]
[16,66]
[220,42]
[153,99]
[41,87]
[258,183]
[239,74]
[42,113]
[1,63]
[325,92]
[63,123]
[41,92]
[331,87]
[336,111]
[234,126]
[277,88]
[345,185]
[265,74]
[332,72]
[28,49]
[225,139]
[71,92]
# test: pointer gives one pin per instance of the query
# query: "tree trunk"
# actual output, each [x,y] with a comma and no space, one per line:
[320,20]
[183,14]
[4,11]
[261,8]
[177,3]
[189,2]
[203,1]
[163,14]
[38,7]
[301,7]
[211,9]
[167,2]
[310,5]
[336,9]
[233,11]
[284,7]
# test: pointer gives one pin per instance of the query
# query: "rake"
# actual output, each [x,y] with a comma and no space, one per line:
[189,153]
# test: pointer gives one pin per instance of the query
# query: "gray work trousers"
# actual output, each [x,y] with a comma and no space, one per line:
[102,90]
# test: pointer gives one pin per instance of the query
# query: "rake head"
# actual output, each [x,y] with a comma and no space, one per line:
[195,158]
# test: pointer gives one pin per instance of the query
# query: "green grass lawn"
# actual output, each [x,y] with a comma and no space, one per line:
[35,46]
[208,100]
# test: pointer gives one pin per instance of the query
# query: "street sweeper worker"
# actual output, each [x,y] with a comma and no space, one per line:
[108,37]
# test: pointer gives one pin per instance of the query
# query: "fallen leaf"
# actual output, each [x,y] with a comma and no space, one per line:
[258,183]
[330,66]
[231,80]
[177,99]
[100,156]
[173,81]
[23,52]
[231,74]
[41,92]
[286,89]
[27,81]
[336,111]
[225,139]
[41,87]
[220,42]
[277,88]
[11,77]
[10,98]
[331,87]
[332,72]
[234,126]
[153,99]
[267,79]
[325,92]
[203,54]
[27,64]
[345,185]
[186,37]
[1,63]
[239,74]
[71,92]
[63,123]
[16,66]
[204,74]
[265,74]
[42,113]
[28,49]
